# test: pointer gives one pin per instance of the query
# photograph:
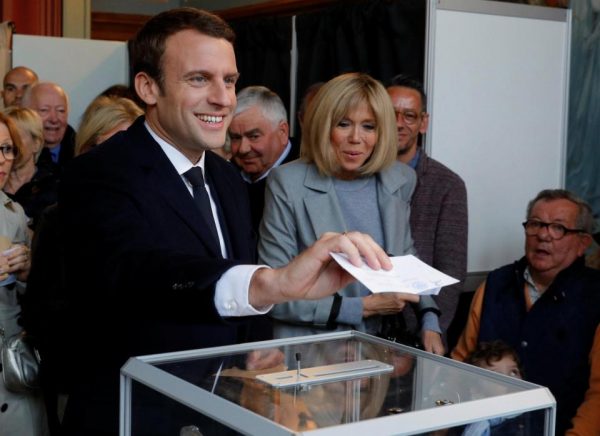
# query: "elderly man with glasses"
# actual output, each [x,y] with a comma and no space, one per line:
[547,307]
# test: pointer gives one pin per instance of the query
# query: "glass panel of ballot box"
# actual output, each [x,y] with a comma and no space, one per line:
[331,384]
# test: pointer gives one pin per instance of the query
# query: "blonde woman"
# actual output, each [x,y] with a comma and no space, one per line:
[347,179]
[104,117]
[31,132]
[20,413]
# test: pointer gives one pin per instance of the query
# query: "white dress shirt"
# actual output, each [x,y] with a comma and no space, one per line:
[231,292]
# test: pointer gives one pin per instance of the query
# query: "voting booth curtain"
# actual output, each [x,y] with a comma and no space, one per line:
[382,38]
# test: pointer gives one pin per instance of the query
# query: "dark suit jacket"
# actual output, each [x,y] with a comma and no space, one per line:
[256,191]
[42,190]
[141,267]
[65,155]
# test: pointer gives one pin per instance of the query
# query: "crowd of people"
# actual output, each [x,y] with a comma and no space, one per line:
[185,216]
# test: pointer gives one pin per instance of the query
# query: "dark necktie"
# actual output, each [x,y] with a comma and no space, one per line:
[196,179]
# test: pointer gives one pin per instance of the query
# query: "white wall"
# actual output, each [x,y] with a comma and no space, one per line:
[497,82]
[83,67]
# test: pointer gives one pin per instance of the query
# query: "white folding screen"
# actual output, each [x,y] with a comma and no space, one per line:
[497,77]
[83,67]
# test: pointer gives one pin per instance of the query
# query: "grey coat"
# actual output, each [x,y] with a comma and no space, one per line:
[301,205]
[22,414]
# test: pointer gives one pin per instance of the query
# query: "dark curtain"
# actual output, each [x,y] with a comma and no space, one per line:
[262,50]
[583,142]
[382,38]
[379,37]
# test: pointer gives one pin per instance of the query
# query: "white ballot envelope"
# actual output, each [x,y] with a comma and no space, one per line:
[409,275]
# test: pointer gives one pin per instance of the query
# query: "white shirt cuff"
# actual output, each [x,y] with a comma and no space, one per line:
[231,293]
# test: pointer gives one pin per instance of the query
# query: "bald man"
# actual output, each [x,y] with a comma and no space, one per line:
[16,82]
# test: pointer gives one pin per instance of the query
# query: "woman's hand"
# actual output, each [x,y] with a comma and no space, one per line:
[264,359]
[432,342]
[15,260]
[386,303]
[313,274]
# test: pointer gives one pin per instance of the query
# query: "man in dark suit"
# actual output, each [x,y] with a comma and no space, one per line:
[259,134]
[147,270]
[51,102]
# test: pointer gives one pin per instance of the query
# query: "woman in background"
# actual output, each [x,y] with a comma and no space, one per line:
[20,413]
[104,117]
[31,131]
[347,179]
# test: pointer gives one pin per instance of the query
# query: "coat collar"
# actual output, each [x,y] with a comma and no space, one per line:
[564,276]
[389,180]
[423,163]
[162,176]
[326,215]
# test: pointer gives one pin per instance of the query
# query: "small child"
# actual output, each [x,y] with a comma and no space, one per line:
[496,356]
[499,357]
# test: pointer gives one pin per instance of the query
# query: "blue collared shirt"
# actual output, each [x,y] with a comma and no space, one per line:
[415,160]
[54,153]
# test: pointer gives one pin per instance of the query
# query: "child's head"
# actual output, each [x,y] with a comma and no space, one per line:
[496,356]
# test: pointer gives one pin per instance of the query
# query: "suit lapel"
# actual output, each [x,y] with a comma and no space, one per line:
[162,177]
[233,198]
[391,210]
[323,208]
[325,214]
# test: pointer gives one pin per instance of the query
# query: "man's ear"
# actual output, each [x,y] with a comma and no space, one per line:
[284,131]
[424,123]
[586,241]
[147,88]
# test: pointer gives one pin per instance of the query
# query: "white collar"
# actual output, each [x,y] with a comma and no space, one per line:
[177,158]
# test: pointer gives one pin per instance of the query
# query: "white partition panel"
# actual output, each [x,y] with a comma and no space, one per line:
[83,67]
[497,78]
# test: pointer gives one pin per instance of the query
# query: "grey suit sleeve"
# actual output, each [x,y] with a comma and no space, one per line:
[427,303]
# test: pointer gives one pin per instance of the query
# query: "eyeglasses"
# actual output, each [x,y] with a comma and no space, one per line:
[409,117]
[555,230]
[8,151]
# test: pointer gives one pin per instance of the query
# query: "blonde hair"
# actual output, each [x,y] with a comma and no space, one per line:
[15,137]
[27,120]
[334,100]
[102,115]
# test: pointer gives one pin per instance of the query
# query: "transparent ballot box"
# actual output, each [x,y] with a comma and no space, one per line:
[343,383]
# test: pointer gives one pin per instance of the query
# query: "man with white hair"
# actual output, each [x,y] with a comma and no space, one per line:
[51,102]
[259,134]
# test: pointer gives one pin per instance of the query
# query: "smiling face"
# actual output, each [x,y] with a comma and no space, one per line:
[353,140]
[256,142]
[50,102]
[547,256]
[194,107]
[5,165]
[410,119]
